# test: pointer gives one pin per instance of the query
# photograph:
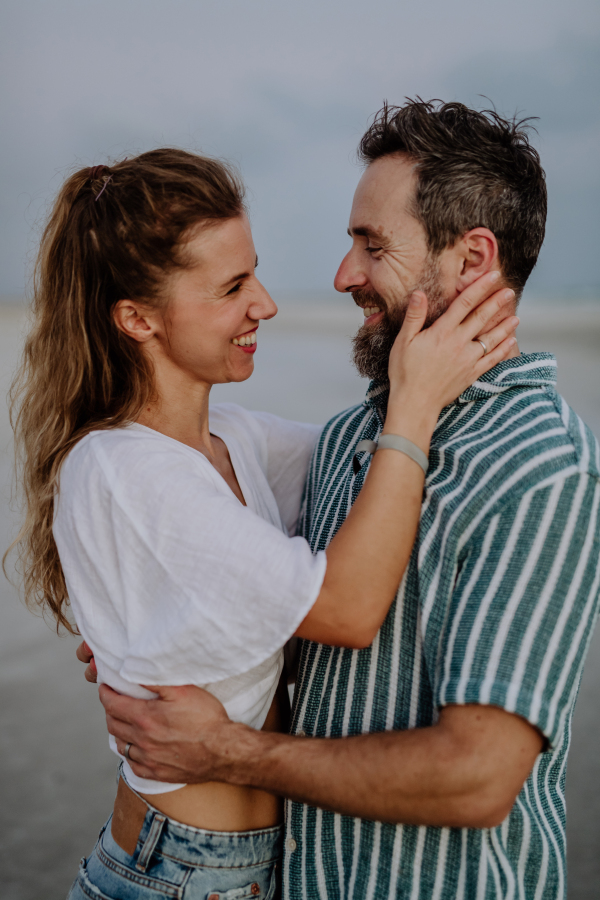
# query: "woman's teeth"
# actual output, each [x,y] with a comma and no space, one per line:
[370,311]
[246,340]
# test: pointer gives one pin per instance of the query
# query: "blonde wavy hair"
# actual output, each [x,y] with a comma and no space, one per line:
[113,233]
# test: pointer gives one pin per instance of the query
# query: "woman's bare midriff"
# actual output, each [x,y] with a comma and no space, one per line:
[226,807]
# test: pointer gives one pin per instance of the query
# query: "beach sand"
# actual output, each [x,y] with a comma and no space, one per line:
[58,775]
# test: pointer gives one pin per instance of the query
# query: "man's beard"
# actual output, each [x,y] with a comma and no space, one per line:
[372,344]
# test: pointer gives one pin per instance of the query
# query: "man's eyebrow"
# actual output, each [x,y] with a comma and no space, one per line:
[368,232]
[241,275]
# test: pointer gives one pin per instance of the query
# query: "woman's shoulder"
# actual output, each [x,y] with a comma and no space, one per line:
[131,454]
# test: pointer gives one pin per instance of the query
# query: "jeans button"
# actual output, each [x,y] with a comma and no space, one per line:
[255,888]
[291,844]
[213,897]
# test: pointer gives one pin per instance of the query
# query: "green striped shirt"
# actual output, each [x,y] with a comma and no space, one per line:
[497,607]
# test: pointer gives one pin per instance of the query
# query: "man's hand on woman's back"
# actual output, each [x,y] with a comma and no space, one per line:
[85,655]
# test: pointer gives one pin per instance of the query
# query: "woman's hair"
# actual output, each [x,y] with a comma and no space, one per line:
[113,233]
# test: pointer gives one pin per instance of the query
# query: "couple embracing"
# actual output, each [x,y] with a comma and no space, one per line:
[435,549]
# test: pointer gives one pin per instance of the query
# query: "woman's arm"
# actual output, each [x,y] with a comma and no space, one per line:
[428,369]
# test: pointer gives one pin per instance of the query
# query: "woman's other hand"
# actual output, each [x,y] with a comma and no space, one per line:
[436,364]
[85,655]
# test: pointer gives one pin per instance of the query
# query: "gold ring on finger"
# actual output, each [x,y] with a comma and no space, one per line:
[485,349]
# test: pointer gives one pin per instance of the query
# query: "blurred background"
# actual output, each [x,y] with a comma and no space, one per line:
[284,90]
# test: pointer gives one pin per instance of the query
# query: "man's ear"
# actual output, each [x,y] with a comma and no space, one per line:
[135,320]
[477,252]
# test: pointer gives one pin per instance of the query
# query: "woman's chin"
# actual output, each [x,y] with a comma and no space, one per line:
[242,373]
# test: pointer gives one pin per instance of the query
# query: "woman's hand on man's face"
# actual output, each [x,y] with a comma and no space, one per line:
[85,655]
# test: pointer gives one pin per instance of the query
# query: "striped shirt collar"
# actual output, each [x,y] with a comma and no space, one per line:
[526,370]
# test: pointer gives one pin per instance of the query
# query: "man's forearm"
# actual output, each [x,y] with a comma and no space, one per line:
[418,776]
[465,771]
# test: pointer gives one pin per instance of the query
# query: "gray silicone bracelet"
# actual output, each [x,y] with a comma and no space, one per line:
[395,442]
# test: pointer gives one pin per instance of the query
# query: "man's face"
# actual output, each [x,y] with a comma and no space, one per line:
[389,259]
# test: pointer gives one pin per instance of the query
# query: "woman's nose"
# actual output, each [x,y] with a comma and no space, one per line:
[263,306]
[349,276]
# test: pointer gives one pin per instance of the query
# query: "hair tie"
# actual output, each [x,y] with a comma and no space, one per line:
[95,171]
[94,174]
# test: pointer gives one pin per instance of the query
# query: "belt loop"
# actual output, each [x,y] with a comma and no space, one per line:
[150,843]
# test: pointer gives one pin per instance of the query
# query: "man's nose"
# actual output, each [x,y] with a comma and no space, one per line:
[350,276]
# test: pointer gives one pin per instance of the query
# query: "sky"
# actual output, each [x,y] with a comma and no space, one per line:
[285,90]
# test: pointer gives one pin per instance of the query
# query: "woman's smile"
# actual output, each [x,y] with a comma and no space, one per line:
[246,341]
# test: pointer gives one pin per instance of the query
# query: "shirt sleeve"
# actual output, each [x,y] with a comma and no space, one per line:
[289,447]
[524,605]
[204,588]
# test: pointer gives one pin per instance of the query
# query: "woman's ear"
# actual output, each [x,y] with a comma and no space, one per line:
[478,254]
[134,320]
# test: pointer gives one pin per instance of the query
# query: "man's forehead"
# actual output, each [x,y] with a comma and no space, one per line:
[387,186]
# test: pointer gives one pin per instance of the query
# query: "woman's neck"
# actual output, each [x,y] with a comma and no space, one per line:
[180,410]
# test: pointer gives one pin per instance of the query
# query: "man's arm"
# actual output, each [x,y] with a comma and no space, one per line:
[465,771]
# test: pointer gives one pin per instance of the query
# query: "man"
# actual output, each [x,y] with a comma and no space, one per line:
[435,760]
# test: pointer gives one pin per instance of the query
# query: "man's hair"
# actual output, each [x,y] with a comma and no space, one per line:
[475,169]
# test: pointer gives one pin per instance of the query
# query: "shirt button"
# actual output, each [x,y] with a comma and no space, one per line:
[291,844]
[301,734]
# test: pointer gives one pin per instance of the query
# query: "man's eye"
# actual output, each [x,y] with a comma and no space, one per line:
[234,289]
[373,249]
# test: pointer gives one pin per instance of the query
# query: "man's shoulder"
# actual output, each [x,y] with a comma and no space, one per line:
[524,437]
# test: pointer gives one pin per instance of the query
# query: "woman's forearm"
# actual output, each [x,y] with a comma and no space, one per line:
[367,557]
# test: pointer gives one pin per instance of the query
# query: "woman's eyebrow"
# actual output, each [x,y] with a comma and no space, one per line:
[241,275]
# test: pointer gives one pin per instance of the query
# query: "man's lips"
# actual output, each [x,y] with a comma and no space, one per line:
[374,317]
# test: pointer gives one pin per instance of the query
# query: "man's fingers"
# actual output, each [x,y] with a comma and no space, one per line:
[83,653]
[120,706]
[91,673]
[122,731]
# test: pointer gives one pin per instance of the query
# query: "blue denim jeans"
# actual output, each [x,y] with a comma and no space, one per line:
[179,862]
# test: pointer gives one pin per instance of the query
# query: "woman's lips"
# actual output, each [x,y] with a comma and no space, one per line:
[246,341]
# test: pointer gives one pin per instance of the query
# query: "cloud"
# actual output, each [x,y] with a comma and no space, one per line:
[285,90]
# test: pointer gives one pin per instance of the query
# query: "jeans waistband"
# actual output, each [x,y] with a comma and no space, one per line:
[198,846]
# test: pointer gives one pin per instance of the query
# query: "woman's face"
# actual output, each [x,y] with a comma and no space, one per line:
[208,328]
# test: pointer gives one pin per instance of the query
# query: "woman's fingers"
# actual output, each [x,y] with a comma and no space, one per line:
[495,356]
[470,298]
[414,319]
[505,329]
[479,318]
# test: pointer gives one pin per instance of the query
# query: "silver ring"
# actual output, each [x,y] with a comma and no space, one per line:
[126,751]
[485,349]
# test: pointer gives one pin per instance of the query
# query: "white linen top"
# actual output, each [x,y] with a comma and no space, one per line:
[171,579]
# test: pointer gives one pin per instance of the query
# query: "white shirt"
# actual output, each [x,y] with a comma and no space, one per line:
[171,579]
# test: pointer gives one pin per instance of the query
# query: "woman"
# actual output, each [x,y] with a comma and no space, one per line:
[166,526]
